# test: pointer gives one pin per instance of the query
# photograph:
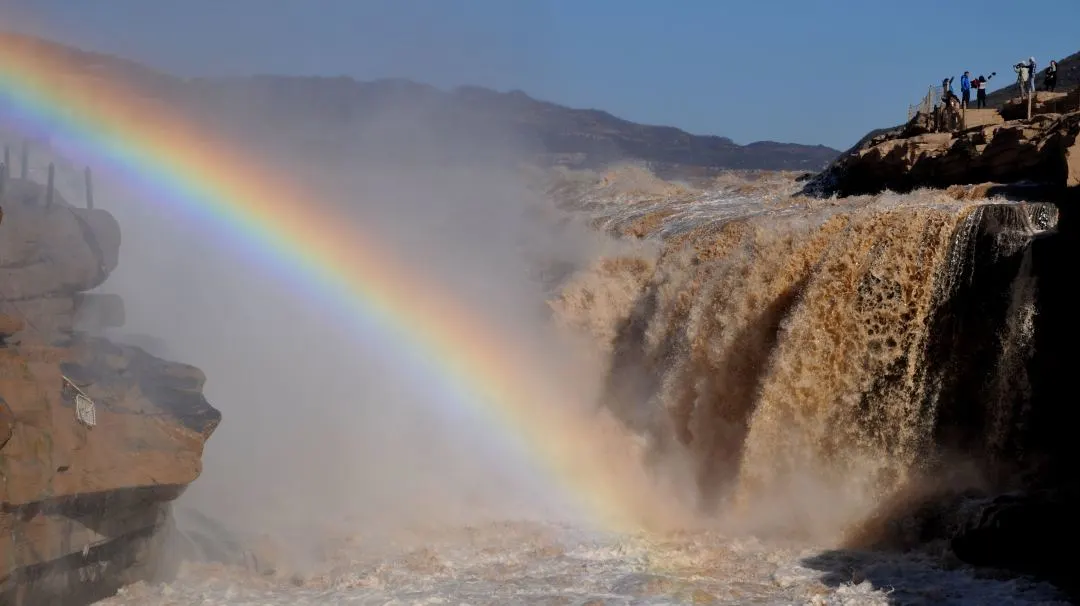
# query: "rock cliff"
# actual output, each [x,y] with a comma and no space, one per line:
[96,438]
[1044,150]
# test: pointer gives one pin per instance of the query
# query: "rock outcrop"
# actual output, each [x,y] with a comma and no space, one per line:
[1044,150]
[1042,103]
[96,438]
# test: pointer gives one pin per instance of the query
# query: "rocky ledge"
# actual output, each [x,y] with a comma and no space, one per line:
[96,439]
[1044,150]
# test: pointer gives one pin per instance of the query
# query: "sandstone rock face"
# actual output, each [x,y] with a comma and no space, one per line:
[84,499]
[1042,150]
[57,250]
[1072,163]
[1043,103]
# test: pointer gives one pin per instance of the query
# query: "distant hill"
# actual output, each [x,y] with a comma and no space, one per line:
[406,118]
[1068,78]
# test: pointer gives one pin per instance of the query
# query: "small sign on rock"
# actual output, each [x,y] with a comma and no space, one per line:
[85,411]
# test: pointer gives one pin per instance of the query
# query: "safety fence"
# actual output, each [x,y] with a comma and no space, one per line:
[927,104]
[57,176]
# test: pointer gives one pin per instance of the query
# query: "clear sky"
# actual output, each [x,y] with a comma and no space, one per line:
[807,71]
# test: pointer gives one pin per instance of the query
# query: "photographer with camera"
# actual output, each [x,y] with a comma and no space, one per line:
[1023,76]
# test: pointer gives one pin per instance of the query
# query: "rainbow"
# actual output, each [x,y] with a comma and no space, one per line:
[193,171]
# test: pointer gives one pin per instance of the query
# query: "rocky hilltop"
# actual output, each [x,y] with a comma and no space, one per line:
[1041,151]
[483,122]
[401,120]
[96,438]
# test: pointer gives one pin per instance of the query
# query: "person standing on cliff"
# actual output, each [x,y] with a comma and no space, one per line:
[965,89]
[1022,78]
[948,114]
[947,93]
[1050,83]
[1031,73]
[980,90]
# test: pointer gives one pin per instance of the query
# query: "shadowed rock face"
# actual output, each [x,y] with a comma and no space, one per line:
[82,508]
[167,388]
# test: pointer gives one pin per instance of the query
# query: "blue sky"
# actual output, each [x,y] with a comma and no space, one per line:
[807,71]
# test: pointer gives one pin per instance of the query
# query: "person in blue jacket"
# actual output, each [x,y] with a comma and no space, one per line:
[965,89]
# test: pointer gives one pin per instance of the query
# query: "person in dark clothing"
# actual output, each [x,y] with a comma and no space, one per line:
[947,115]
[965,89]
[1050,82]
[980,90]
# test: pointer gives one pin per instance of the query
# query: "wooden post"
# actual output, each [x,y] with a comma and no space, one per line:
[89,188]
[1030,95]
[25,160]
[50,188]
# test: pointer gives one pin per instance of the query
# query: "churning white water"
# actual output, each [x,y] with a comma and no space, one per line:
[525,563]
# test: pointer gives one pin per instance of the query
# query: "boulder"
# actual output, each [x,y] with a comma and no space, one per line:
[47,251]
[1019,532]
[1043,103]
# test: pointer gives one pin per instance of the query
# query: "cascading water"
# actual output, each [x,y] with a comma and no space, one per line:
[802,357]
[808,364]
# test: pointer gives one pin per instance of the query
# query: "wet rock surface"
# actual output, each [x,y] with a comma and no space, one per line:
[96,439]
[1027,532]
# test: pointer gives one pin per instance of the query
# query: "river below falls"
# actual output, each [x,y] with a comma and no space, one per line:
[527,563]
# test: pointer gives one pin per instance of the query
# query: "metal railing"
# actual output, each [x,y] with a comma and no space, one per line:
[58,175]
[927,104]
